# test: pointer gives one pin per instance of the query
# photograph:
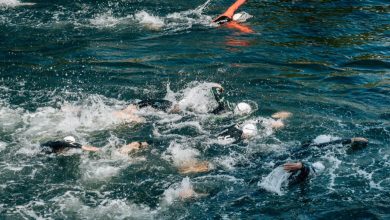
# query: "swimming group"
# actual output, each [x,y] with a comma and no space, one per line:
[238,133]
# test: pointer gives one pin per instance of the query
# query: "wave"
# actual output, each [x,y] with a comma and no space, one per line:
[13,3]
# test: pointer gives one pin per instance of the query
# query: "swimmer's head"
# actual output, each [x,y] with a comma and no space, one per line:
[249,130]
[242,108]
[236,17]
[69,139]
[217,87]
[318,167]
[358,143]
[241,17]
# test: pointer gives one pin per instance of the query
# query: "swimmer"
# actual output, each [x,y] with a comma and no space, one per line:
[195,167]
[70,142]
[236,133]
[301,171]
[227,16]
[132,147]
[231,20]
[64,145]
[130,112]
[354,143]
[129,115]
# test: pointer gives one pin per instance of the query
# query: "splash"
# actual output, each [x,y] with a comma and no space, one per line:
[70,204]
[324,138]
[180,155]
[183,191]
[198,98]
[106,20]
[3,145]
[13,3]
[93,113]
[275,181]
[149,21]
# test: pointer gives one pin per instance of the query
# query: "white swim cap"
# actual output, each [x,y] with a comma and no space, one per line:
[69,139]
[241,17]
[242,108]
[318,167]
[249,130]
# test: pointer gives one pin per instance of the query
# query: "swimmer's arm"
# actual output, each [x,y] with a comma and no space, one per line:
[90,148]
[300,171]
[293,166]
[233,8]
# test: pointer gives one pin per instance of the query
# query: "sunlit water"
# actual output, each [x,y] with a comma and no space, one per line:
[66,66]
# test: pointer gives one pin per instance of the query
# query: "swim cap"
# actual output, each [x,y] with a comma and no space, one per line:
[318,167]
[69,139]
[242,108]
[241,17]
[249,130]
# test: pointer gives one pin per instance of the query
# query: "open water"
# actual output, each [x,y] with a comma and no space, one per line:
[66,66]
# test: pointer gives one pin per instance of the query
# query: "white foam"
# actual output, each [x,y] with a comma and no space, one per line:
[275,181]
[241,16]
[198,97]
[10,119]
[180,155]
[13,3]
[228,162]
[71,119]
[71,205]
[105,20]
[183,190]
[324,138]
[3,145]
[335,164]
[149,21]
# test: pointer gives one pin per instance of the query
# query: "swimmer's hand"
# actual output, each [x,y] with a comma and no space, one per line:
[218,87]
[90,148]
[292,166]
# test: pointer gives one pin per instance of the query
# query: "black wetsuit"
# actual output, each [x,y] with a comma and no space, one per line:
[231,132]
[344,141]
[301,175]
[223,105]
[159,104]
[223,20]
[58,146]
[165,105]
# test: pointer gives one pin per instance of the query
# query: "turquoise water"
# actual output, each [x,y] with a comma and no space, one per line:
[66,66]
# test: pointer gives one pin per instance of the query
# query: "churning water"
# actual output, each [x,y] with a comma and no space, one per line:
[67,66]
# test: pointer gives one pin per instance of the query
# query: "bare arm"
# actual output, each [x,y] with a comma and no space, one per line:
[90,148]
[233,8]
[292,166]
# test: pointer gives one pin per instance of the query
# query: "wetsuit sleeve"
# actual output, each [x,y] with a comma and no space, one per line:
[163,105]
[300,175]
[344,141]
[231,132]
[55,146]
[223,105]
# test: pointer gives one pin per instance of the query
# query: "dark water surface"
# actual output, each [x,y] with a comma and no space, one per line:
[65,66]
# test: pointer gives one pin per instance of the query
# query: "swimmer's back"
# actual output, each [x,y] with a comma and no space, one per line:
[58,146]
[159,104]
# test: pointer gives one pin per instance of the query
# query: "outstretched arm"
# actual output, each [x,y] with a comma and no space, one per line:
[233,8]
[90,148]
